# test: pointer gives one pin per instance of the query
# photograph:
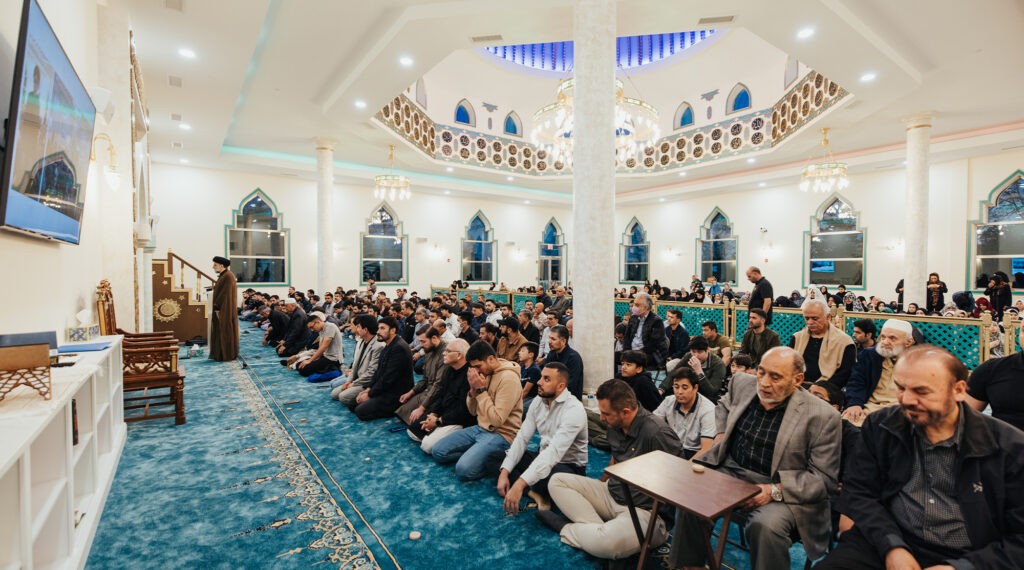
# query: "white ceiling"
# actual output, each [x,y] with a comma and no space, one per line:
[273,75]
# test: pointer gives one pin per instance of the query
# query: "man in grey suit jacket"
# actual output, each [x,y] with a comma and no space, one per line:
[786,441]
[364,361]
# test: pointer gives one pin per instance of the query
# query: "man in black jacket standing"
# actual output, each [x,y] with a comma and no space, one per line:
[933,483]
[392,378]
[646,331]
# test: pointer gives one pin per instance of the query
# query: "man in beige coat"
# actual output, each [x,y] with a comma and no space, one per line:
[495,398]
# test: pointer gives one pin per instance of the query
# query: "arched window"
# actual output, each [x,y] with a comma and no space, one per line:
[464,114]
[421,93]
[383,248]
[551,262]
[635,254]
[835,246]
[512,125]
[999,235]
[716,249]
[257,244]
[739,99]
[684,115]
[478,250]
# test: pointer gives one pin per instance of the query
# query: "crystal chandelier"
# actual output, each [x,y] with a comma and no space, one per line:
[827,175]
[636,125]
[391,186]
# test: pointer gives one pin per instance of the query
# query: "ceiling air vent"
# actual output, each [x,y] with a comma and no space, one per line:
[487,39]
[176,5]
[176,144]
[175,116]
[174,81]
[716,20]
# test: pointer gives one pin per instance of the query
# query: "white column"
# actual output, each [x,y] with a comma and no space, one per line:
[915,231]
[595,254]
[324,215]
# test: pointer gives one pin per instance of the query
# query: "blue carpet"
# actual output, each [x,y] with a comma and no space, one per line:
[270,472]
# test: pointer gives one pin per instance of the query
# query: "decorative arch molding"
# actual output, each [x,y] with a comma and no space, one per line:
[551,266]
[835,246]
[479,252]
[634,253]
[684,116]
[512,125]
[717,253]
[465,114]
[993,234]
[740,99]
[384,251]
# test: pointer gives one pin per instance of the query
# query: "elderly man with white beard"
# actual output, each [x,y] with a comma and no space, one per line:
[871,386]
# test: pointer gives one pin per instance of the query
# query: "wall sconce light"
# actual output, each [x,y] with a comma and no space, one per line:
[110,172]
[768,251]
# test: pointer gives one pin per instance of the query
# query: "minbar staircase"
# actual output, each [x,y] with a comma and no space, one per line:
[179,298]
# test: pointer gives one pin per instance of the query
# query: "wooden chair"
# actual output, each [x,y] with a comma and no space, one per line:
[108,322]
[149,368]
[150,365]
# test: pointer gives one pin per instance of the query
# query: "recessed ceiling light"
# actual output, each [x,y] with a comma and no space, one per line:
[510,178]
[762,184]
[183,160]
[360,104]
[449,169]
[526,202]
[904,163]
[805,33]
[185,126]
[661,199]
[868,77]
[405,61]
[447,192]
[187,53]
[681,174]
[751,160]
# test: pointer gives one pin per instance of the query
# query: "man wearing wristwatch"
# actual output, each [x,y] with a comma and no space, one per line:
[787,442]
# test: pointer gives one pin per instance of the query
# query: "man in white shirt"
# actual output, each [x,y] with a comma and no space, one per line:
[442,327]
[562,423]
[688,412]
[492,312]
[544,345]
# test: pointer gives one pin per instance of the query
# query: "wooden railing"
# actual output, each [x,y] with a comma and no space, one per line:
[193,278]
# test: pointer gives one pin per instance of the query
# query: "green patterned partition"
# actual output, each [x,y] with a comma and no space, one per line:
[786,322]
[496,296]
[439,291]
[962,337]
[694,314]
[621,307]
[519,300]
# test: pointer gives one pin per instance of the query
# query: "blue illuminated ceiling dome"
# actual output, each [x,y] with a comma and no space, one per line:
[630,52]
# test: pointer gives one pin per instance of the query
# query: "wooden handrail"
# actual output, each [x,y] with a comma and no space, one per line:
[171,256]
[178,277]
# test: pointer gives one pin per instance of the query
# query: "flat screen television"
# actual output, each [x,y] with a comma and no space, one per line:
[48,137]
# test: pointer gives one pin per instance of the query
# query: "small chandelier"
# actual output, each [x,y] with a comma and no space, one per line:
[391,186]
[636,125]
[827,175]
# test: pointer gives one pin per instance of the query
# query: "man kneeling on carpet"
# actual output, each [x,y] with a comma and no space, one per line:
[495,398]
[433,370]
[444,411]
[596,517]
[327,356]
[562,423]
[346,388]
[392,378]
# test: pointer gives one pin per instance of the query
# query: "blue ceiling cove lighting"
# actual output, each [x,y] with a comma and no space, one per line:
[630,52]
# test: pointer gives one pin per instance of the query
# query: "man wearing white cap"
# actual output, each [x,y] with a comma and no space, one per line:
[871,386]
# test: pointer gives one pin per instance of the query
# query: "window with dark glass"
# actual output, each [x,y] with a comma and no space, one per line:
[835,247]
[257,245]
[635,254]
[999,237]
[383,258]
[717,249]
[478,250]
[551,259]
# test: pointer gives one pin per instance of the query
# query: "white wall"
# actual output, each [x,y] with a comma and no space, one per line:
[47,283]
[194,205]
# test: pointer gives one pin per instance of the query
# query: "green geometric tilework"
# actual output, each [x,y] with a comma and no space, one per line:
[785,324]
[694,316]
[960,339]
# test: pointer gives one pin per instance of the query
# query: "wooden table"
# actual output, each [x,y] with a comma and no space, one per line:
[671,480]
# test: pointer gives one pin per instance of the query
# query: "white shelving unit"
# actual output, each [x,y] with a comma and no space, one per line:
[52,491]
